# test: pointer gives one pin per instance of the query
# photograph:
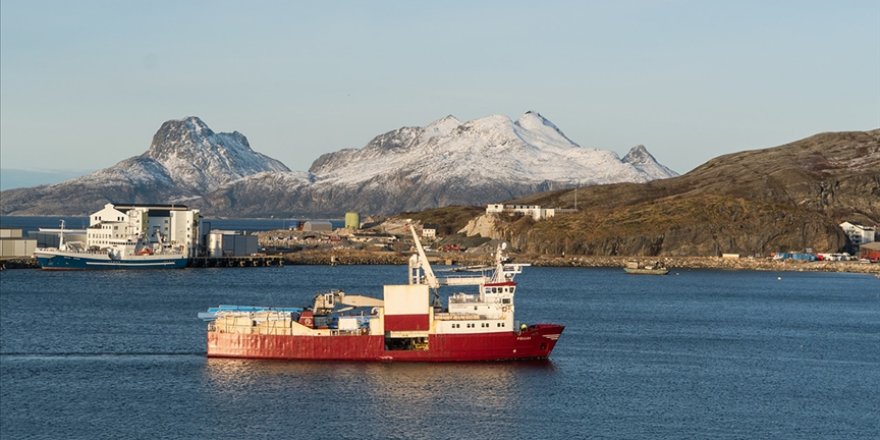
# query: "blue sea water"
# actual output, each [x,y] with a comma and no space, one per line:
[696,354]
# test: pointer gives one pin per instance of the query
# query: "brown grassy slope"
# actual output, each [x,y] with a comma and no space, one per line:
[782,198]
[448,220]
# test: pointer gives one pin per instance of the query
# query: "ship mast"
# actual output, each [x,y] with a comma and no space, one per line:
[61,245]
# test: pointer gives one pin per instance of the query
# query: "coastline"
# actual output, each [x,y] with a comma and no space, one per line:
[715,263]
[343,257]
[463,259]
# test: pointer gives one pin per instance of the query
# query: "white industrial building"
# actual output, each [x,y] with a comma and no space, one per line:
[14,245]
[317,226]
[858,234]
[535,211]
[176,226]
[221,243]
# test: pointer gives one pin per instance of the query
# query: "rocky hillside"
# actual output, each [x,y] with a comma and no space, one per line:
[185,161]
[790,197]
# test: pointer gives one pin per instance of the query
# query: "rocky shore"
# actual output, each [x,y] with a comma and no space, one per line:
[18,263]
[712,263]
[360,257]
[345,257]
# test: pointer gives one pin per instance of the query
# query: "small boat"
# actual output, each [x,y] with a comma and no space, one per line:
[653,268]
[132,253]
[407,324]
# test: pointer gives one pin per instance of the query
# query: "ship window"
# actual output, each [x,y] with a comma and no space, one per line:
[505,301]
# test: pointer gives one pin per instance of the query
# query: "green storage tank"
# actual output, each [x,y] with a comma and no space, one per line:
[352,220]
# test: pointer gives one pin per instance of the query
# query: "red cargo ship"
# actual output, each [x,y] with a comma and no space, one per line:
[408,324]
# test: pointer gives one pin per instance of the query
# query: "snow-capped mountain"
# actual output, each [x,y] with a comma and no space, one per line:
[200,160]
[446,162]
[185,161]
[493,149]
[640,158]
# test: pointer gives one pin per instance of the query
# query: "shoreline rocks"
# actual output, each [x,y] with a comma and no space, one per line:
[715,263]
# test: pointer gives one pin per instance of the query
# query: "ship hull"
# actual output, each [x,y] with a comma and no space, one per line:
[535,342]
[75,261]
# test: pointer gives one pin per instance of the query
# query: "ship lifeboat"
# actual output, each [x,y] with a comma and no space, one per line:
[145,251]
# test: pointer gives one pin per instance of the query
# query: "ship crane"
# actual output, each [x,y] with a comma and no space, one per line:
[420,269]
[326,302]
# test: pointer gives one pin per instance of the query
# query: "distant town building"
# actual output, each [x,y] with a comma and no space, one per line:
[870,251]
[858,234]
[535,211]
[317,226]
[14,245]
[429,233]
[220,243]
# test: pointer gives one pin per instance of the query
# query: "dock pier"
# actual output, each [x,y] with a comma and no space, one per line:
[247,261]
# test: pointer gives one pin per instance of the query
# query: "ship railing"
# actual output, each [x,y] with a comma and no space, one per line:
[457,316]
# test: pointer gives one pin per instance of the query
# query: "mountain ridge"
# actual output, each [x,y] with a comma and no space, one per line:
[445,162]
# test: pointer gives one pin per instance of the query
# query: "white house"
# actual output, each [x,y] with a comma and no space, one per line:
[858,234]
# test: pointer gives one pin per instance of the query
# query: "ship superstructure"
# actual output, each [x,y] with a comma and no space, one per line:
[407,324]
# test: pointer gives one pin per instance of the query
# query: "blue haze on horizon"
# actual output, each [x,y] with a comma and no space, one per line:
[86,84]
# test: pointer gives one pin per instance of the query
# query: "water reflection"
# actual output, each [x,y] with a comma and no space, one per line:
[402,399]
[394,380]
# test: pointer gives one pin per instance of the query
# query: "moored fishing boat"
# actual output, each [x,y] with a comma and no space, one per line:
[130,253]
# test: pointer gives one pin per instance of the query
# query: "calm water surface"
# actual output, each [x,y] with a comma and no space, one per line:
[700,354]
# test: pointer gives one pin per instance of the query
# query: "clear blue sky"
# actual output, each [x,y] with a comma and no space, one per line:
[84,84]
